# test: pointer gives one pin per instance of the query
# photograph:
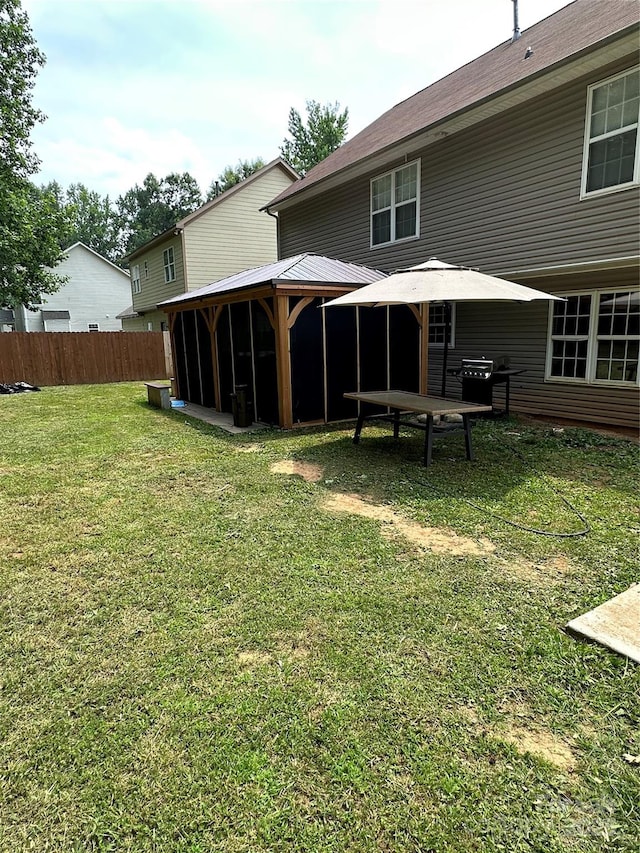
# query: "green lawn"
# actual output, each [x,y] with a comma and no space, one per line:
[200,654]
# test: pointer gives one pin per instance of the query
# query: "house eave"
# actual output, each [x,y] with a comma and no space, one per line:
[616,47]
[626,262]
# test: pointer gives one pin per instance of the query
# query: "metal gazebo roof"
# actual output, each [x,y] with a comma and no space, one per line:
[307,268]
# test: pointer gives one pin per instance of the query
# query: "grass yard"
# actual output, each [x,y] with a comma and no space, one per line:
[203,650]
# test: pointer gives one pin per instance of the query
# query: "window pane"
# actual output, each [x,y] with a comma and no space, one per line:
[381,232]
[615,92]
[406,183]
[630,112]
[611,161]
[599,102]
[598,124]
[632,85]
[614,118]
[381,193]
[406,220]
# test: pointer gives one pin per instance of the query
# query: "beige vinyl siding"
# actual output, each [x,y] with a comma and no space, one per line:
[141,324]
[154,289]
[234,235]
[519,332]
[504,195]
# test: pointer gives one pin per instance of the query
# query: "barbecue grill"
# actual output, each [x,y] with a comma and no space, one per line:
[478,376]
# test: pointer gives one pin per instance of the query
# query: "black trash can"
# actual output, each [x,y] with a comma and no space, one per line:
[241,407]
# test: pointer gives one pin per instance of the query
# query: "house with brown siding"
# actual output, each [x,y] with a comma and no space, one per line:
[222,237]
[524,163]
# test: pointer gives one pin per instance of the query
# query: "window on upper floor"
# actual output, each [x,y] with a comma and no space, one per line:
[146,270]
[611,149]
[595,337]
[168,260]
[395,205]
[437,325]
[135,279]
[94,327]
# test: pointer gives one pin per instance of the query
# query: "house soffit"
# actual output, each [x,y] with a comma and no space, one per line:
[408,148]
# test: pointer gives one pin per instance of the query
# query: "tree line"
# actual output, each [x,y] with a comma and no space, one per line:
[37,222]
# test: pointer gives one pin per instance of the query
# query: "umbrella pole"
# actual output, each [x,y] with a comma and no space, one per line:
[445,354]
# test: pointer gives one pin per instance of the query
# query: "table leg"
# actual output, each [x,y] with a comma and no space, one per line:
[428,440]
[467,436]
[396,423]
[356,435]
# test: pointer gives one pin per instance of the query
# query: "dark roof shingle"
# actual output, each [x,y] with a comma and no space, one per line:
[568,32]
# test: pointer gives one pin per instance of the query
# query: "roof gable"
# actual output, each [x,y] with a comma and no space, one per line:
[575,29]
[93,252]
[278,163]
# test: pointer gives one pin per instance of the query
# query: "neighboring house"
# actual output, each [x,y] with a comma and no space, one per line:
[88,301]
[524,163]
[225,235]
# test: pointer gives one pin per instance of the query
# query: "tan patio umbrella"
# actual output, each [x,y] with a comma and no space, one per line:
[435,281]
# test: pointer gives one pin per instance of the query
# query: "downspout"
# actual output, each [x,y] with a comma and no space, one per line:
[277,219]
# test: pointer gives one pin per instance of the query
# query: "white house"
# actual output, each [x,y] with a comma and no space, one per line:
[88,301]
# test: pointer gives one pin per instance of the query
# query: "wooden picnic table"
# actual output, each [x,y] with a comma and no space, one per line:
[404,402]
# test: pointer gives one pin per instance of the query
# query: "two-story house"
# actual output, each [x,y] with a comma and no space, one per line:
[524,163]
[223,236]
[88,301]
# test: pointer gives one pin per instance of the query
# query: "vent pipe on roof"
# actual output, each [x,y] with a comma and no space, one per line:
[516,27]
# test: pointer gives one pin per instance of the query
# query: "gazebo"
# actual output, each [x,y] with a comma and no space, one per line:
[262,328]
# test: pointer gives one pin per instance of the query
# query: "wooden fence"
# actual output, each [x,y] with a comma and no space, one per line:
[78,358]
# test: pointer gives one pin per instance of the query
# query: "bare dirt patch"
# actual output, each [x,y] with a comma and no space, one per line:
[440,540]
[307,470]
[543,744]
[250,659]
[541,572]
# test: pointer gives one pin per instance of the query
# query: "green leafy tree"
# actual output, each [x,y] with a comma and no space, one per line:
[29,218]
[324,131]
[233,175]
[148,210]
[93,220]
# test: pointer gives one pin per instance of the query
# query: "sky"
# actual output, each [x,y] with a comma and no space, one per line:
[138,86]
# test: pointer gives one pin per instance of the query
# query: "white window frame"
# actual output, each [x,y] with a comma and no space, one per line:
[93,327]
[452,336]
[592,341]
[392,208]
[584,193]
[169,263]
[135,279]
[146,270]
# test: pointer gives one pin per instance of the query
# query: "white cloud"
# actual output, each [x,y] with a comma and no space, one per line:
[139,86]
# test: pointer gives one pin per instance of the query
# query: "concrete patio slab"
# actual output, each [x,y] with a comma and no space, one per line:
[614,624]
[219,419]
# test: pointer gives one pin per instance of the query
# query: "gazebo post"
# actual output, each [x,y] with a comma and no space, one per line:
[424,347]
[283,361]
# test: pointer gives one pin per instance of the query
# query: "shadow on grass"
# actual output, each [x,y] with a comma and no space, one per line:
[531,474]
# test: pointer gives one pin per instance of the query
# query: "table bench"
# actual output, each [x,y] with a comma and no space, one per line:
[158,395]
[404,402]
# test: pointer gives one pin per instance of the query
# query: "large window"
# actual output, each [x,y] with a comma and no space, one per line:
[135,279]
[611,152]
[169,264]
[395,213]
[595,337]
[437,327]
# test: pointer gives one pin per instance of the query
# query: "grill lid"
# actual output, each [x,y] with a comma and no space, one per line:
[476,368]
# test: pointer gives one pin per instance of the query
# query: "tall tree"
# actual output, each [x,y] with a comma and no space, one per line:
[324,131]
[233,175]
[93,220]
[148,210]
[29,219]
